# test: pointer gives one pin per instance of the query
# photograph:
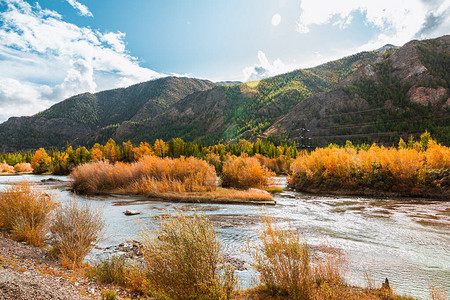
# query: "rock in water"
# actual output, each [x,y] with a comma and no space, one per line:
[131,212]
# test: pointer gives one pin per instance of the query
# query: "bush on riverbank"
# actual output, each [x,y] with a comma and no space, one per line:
[151,173]
[245,172]
[23,168]
[183,260]
[418,170]
[279,165]
[5,168]
[25,212]
[286,265]
[74,231]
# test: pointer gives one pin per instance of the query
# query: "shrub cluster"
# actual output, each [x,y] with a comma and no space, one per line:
[32,215]
[183,260]
[412,171]
[25,212]
[74,231]
[287,266]
[245,172]
[149,174]
[5,168]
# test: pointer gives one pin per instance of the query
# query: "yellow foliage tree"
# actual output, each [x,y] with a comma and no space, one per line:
[144,149]
[40,161]
[160,148]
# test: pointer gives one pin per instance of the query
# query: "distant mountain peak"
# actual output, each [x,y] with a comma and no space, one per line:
[386,47]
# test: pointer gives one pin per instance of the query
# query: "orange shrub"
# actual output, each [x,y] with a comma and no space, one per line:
[245,172]
[5,168]
[286,265]
[437,156]
[74,231]
[25,212]
[149,174]
[279,165]
[23,168]
[400,170]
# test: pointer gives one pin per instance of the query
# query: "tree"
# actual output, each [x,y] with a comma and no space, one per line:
[160,148]
[144,149]
[40,161]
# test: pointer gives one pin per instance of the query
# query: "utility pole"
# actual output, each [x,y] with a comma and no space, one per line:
[305,141]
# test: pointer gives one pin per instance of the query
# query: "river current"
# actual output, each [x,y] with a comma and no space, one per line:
[405,240]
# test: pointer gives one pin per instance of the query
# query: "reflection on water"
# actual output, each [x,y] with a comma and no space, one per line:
[406,240]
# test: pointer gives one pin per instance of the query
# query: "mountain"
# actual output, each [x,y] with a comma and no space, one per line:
[403,94]
[377,96]
[243,110]
[75,119]
[228,82]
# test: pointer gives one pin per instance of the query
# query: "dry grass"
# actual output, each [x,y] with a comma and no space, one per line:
[25,212]
[149,174]
[74,231]
[112,270]
[219,195]
[438,293]
[245,172]
[23,168]
[184,261]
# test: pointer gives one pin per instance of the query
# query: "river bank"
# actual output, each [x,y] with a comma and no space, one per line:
[28,272]
[428,195]
[217,196]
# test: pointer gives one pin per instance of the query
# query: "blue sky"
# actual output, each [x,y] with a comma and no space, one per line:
[52,49]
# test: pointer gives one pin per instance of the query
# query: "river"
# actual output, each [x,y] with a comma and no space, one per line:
[405,240]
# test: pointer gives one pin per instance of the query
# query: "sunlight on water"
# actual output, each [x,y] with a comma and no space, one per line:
[405,240]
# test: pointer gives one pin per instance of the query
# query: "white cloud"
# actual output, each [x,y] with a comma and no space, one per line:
[44,60]
[265,68]
[115,40]
[397,21]
[276,20]
[82,9]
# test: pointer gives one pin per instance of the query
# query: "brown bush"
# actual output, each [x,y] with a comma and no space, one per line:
[5,168]
[286,265]
[25,212]
[245,172]
[23,168]
[74,231]
[279,165]
[150,174]
[184,261]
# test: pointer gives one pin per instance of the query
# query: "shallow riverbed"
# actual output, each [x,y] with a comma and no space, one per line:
[406,240]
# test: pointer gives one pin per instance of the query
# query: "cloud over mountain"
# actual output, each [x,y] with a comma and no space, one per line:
[45,59]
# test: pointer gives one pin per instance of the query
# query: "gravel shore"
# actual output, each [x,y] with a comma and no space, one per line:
[28,272]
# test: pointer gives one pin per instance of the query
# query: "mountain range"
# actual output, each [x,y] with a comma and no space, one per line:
[375,96]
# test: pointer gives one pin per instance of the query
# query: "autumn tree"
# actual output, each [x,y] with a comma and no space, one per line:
[40,161]
[160,148]
[144,149]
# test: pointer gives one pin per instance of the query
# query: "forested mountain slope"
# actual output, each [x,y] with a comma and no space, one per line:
[403,94]
[75,119]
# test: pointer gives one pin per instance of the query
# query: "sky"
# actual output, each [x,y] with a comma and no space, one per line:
[53,49]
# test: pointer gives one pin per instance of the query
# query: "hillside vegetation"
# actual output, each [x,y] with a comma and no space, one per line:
[379,96]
